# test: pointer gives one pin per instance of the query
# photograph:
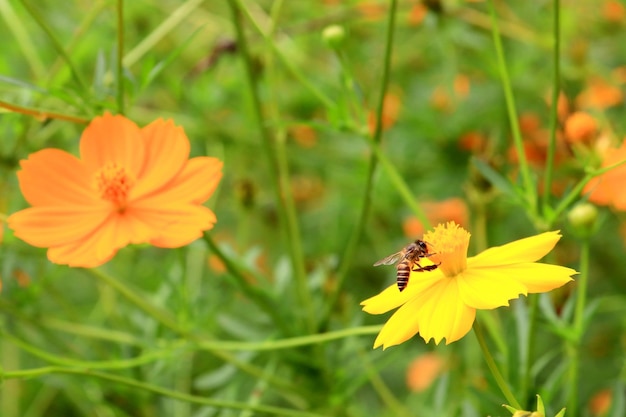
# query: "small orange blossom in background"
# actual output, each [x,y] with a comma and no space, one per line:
[130,185]
[424,370]
[442,303]
[453,209]
[607,189]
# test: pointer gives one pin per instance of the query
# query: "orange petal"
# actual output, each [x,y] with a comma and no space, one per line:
[113,139]
[195,184]
[530,249]
[174,225]
[103,243]
[55,177]
[186,229]
[52,226]
[85,253]
[167,151]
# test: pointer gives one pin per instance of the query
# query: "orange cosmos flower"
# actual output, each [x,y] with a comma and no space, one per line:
[442,303]
[606,189]
[130,185]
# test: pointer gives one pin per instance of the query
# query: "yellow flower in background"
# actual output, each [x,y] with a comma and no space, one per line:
[442,303]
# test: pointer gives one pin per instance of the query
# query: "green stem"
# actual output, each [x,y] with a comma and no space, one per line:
[491,363]
[533,301]
[266,409]
[292,342]
[554,113]
[276,156]
[57,45]
[575,192]
[530,191]
[112,364]
[573,347]
[158,314]
[355,236]
[120,56]
[167,321]
[286,62]
[254,292]
[400,185]
[42,114]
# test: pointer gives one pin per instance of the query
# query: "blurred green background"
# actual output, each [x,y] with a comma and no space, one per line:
[445,111]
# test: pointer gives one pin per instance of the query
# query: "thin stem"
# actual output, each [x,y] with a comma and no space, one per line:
[313,339]
[156,313]
[276,156]
[120,56]
[167,321]
[575,192]
[530,192]
[266,409]
[554,114]
[286,62]
[42,114]
[400,185]
[112,364]
[355,236]
[573,347]
[57,45]
[533,308]
[254,292]
[491,363]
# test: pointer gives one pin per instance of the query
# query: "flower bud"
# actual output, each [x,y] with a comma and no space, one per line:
[334,35]
[583,217]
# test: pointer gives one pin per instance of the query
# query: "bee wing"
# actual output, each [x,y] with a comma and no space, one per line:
[391,259]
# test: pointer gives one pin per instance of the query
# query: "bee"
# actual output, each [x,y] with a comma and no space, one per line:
[408,260]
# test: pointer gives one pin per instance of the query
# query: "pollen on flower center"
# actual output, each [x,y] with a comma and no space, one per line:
[449,243]
[113,183]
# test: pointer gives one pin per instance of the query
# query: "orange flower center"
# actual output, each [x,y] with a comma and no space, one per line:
[450,243]
[113,183]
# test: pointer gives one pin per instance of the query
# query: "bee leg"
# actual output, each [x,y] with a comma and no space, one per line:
[421,268]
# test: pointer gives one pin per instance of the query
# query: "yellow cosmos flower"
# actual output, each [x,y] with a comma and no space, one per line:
[442,303]
[130,185]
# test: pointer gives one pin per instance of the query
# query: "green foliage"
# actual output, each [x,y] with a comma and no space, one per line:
[262,316]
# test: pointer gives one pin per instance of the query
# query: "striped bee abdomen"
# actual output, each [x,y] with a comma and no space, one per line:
[404,270]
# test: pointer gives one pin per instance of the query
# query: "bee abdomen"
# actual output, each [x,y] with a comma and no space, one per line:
[404,270]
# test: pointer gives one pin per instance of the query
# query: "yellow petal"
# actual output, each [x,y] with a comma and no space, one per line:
[487,288]
[403,325]
[539,277]
[391,297]
[443,314]
[530,249]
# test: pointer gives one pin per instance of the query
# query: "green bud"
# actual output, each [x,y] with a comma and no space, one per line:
[334,35]
[583,217]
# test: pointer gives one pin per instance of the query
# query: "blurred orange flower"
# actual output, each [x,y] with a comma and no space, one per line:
[130,185]
[452,209]
[417,14]
[614,11]
[600,403]
[607,189]
[580,127]
[391,110]
[423,371]
[600,94]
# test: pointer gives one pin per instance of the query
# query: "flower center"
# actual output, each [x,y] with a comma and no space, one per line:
[113,183]
[449,247]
